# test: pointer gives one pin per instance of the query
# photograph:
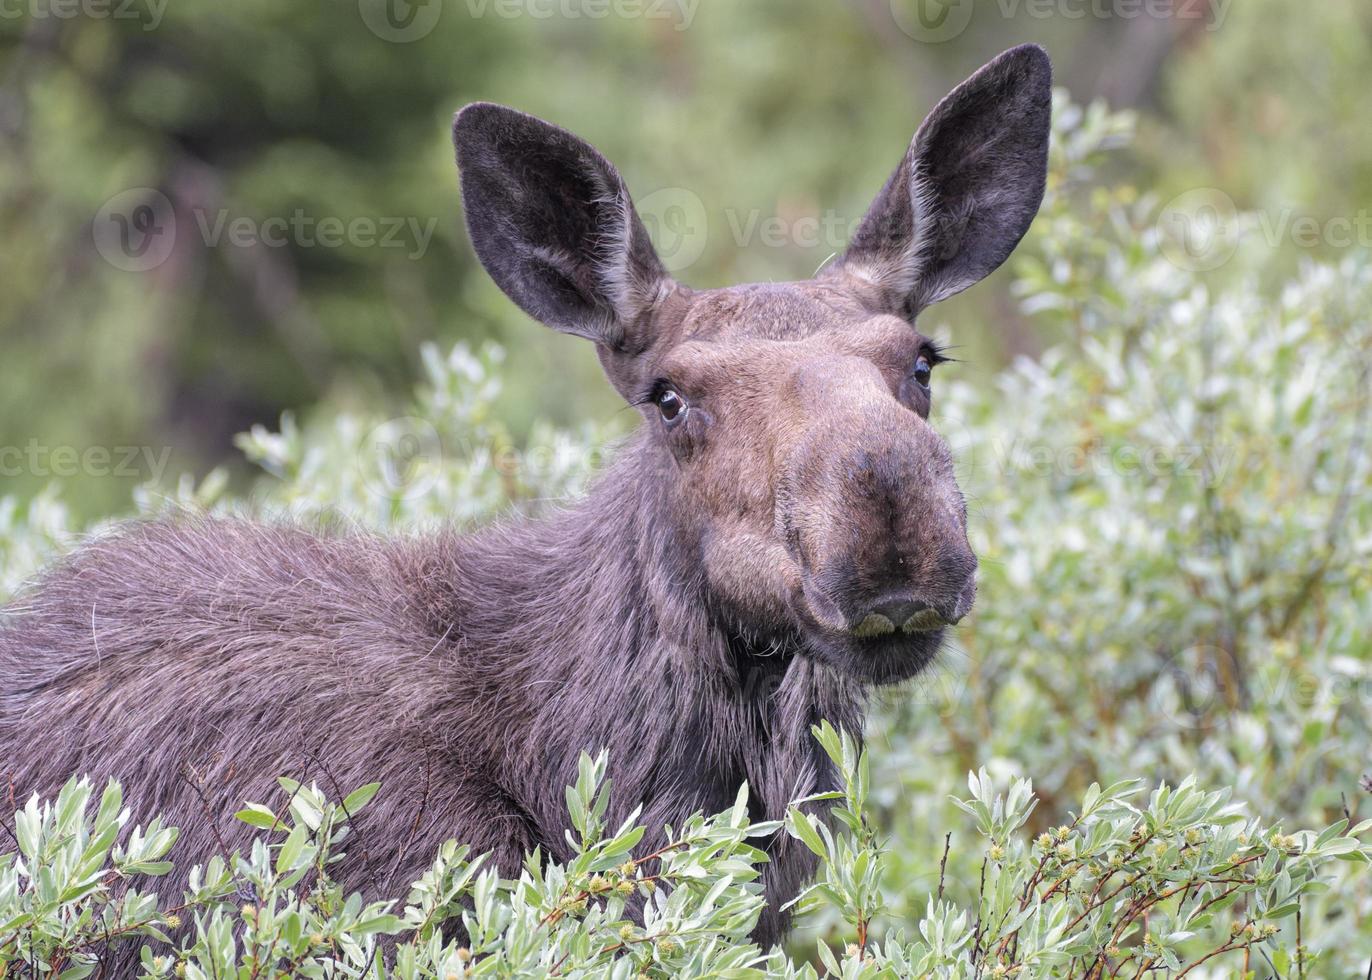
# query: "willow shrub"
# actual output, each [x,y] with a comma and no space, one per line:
[1171,882]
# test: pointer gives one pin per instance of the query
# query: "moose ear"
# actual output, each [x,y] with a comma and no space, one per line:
[967,190]
[552,222]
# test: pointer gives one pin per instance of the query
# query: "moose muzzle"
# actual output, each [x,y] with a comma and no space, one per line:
[873,514]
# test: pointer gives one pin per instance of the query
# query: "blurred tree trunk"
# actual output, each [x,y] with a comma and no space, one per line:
[1129,76]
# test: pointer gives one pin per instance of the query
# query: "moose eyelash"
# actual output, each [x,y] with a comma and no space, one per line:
[650,394]
[937,353]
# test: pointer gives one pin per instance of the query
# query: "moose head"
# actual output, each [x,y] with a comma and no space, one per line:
[790,421]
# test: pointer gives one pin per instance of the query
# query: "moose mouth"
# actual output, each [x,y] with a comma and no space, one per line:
[876,660]
[892,643]
[873,652]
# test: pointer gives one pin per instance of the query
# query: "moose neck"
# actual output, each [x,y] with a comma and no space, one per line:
[601,628]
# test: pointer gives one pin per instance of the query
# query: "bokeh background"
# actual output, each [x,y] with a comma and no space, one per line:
[308,124]
[228,218]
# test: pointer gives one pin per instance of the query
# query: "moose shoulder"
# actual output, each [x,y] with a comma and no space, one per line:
[782,533]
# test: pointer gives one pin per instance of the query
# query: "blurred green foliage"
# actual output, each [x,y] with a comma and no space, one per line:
[758,116]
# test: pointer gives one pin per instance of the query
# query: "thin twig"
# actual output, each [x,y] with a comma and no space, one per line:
[318,760]
[192,779]
[1300,945]
[943,864]
[10,808]
[1226,948]
[418,817]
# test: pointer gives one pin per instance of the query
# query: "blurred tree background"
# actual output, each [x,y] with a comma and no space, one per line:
[287,173]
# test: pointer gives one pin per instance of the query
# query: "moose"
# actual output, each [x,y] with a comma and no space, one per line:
[782,534]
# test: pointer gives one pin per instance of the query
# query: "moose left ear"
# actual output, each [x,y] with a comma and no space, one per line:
[967,190]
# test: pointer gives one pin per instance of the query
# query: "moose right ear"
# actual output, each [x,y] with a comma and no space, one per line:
[966,191]
[552,222]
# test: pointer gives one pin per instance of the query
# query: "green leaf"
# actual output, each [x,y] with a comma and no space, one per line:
[803,830]
[257,815]
[355,801]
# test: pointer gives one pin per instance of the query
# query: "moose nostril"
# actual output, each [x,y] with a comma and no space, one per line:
[899,610]
[908,615]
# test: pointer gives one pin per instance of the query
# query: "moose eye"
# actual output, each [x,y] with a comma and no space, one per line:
[923,372]
[671,405]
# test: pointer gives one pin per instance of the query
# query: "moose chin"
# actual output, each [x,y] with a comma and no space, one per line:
[782,533]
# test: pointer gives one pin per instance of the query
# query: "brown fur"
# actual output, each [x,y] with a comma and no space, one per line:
[789,538]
